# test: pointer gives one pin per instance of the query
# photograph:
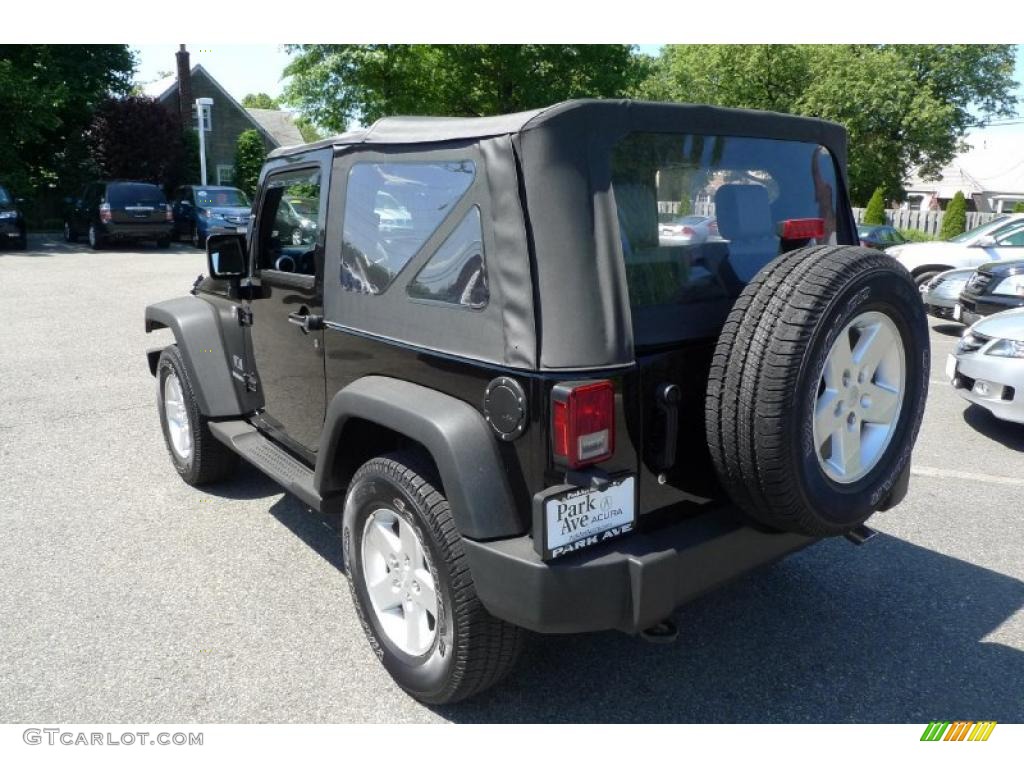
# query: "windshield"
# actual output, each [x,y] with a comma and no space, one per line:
[760,191]
[970,234]
[222,198]
[5,198]
[304,207]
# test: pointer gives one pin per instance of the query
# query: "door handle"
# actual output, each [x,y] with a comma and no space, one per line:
[306,321]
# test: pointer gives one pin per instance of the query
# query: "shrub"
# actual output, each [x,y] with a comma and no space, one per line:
[954,222]
[1019,207]
[249,156]
[916,235]
[875,212]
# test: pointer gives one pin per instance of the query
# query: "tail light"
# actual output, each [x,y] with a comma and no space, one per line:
[802,229]
[583,422]
[686,231]
[168,212]
[105,213]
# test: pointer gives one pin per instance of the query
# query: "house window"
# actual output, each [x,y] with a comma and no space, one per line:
[225,175]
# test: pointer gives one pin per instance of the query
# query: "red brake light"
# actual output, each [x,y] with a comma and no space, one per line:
[802,229]
[583,422]
[105,213]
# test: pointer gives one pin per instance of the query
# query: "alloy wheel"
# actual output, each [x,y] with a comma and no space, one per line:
[175,410]
[860,396]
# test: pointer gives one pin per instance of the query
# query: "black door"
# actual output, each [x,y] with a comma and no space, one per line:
[287,327]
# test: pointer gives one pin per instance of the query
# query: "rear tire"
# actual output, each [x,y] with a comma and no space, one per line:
[808,432]
[163,243]
[206,460]
[469,650]
[70,235]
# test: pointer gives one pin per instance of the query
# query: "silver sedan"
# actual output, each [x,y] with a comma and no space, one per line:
[940,294]
[987,366]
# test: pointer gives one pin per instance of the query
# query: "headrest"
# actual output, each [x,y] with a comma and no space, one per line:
[743,212]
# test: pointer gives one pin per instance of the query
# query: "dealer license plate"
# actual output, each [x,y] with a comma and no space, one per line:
[581,517]
[957,311]
[950,367]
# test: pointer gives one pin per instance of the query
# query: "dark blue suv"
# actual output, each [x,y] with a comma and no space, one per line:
[201,211]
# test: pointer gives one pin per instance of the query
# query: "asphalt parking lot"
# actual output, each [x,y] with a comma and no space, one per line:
[127,596]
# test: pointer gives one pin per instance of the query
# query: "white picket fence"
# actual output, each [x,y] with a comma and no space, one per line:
[926,221]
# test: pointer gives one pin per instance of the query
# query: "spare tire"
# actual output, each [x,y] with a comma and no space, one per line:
[817,389]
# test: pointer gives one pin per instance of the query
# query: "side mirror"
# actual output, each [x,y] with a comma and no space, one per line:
[985,241]
[225,256]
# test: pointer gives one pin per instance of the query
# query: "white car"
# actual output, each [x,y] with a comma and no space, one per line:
[989,242]
[987,367]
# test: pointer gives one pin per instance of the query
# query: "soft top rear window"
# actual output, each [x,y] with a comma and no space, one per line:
[757,194]
[119,195]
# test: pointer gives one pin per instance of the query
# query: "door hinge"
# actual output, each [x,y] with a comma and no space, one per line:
[244,315]
[250,382]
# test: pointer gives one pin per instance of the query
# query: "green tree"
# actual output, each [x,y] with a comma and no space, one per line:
[1018,208]
[333,85]
[260,101]
[875,212]
[49,93]
[136,138]
[954,220]
[309,131]
[905,106]
[249,156]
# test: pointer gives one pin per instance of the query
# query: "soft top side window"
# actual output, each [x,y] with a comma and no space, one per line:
[290,222]
[391,210]
[456,273]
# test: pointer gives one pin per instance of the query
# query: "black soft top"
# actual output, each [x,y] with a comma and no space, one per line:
[610,118]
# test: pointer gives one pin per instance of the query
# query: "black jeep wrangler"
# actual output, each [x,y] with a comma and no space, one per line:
[531,405]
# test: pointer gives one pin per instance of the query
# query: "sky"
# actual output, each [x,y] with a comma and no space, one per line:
[244,69]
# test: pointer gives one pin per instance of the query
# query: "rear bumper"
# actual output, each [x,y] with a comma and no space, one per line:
[148,231]
[628,584]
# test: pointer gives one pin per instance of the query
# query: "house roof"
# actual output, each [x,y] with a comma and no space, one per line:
[279,135]
[279,124]
[992,164]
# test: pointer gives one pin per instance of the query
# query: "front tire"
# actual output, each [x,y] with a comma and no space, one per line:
[198,241]
[195,453]
[817,389]
[412,587]
[70,235]
[163,242]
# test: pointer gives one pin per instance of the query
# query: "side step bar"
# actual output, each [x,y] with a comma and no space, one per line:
[264,454]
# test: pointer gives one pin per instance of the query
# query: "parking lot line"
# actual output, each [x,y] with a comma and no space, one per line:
[953,474]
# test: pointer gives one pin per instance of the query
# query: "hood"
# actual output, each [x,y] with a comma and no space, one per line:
[1003,268]
[1003,325]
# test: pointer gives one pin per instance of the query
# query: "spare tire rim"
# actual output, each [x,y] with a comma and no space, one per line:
[860,396]
[398,579]
[178,427]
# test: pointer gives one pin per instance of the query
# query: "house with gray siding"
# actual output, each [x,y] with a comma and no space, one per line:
[225,120]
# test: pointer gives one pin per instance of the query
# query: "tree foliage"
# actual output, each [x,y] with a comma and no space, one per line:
[260,101]
[904,106]
[875,212]
[335,85]
[48,93]
[954,221]
[249,156]
[1018,207]
[137,138]
[309,131]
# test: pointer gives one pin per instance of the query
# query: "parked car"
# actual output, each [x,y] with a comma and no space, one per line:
[941,294]
[119,211]
[298,222]
[526,410]
[971,249]
[992,288]
[879,236]
[201,211]
[12,222]
[689,229]
[987,367]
